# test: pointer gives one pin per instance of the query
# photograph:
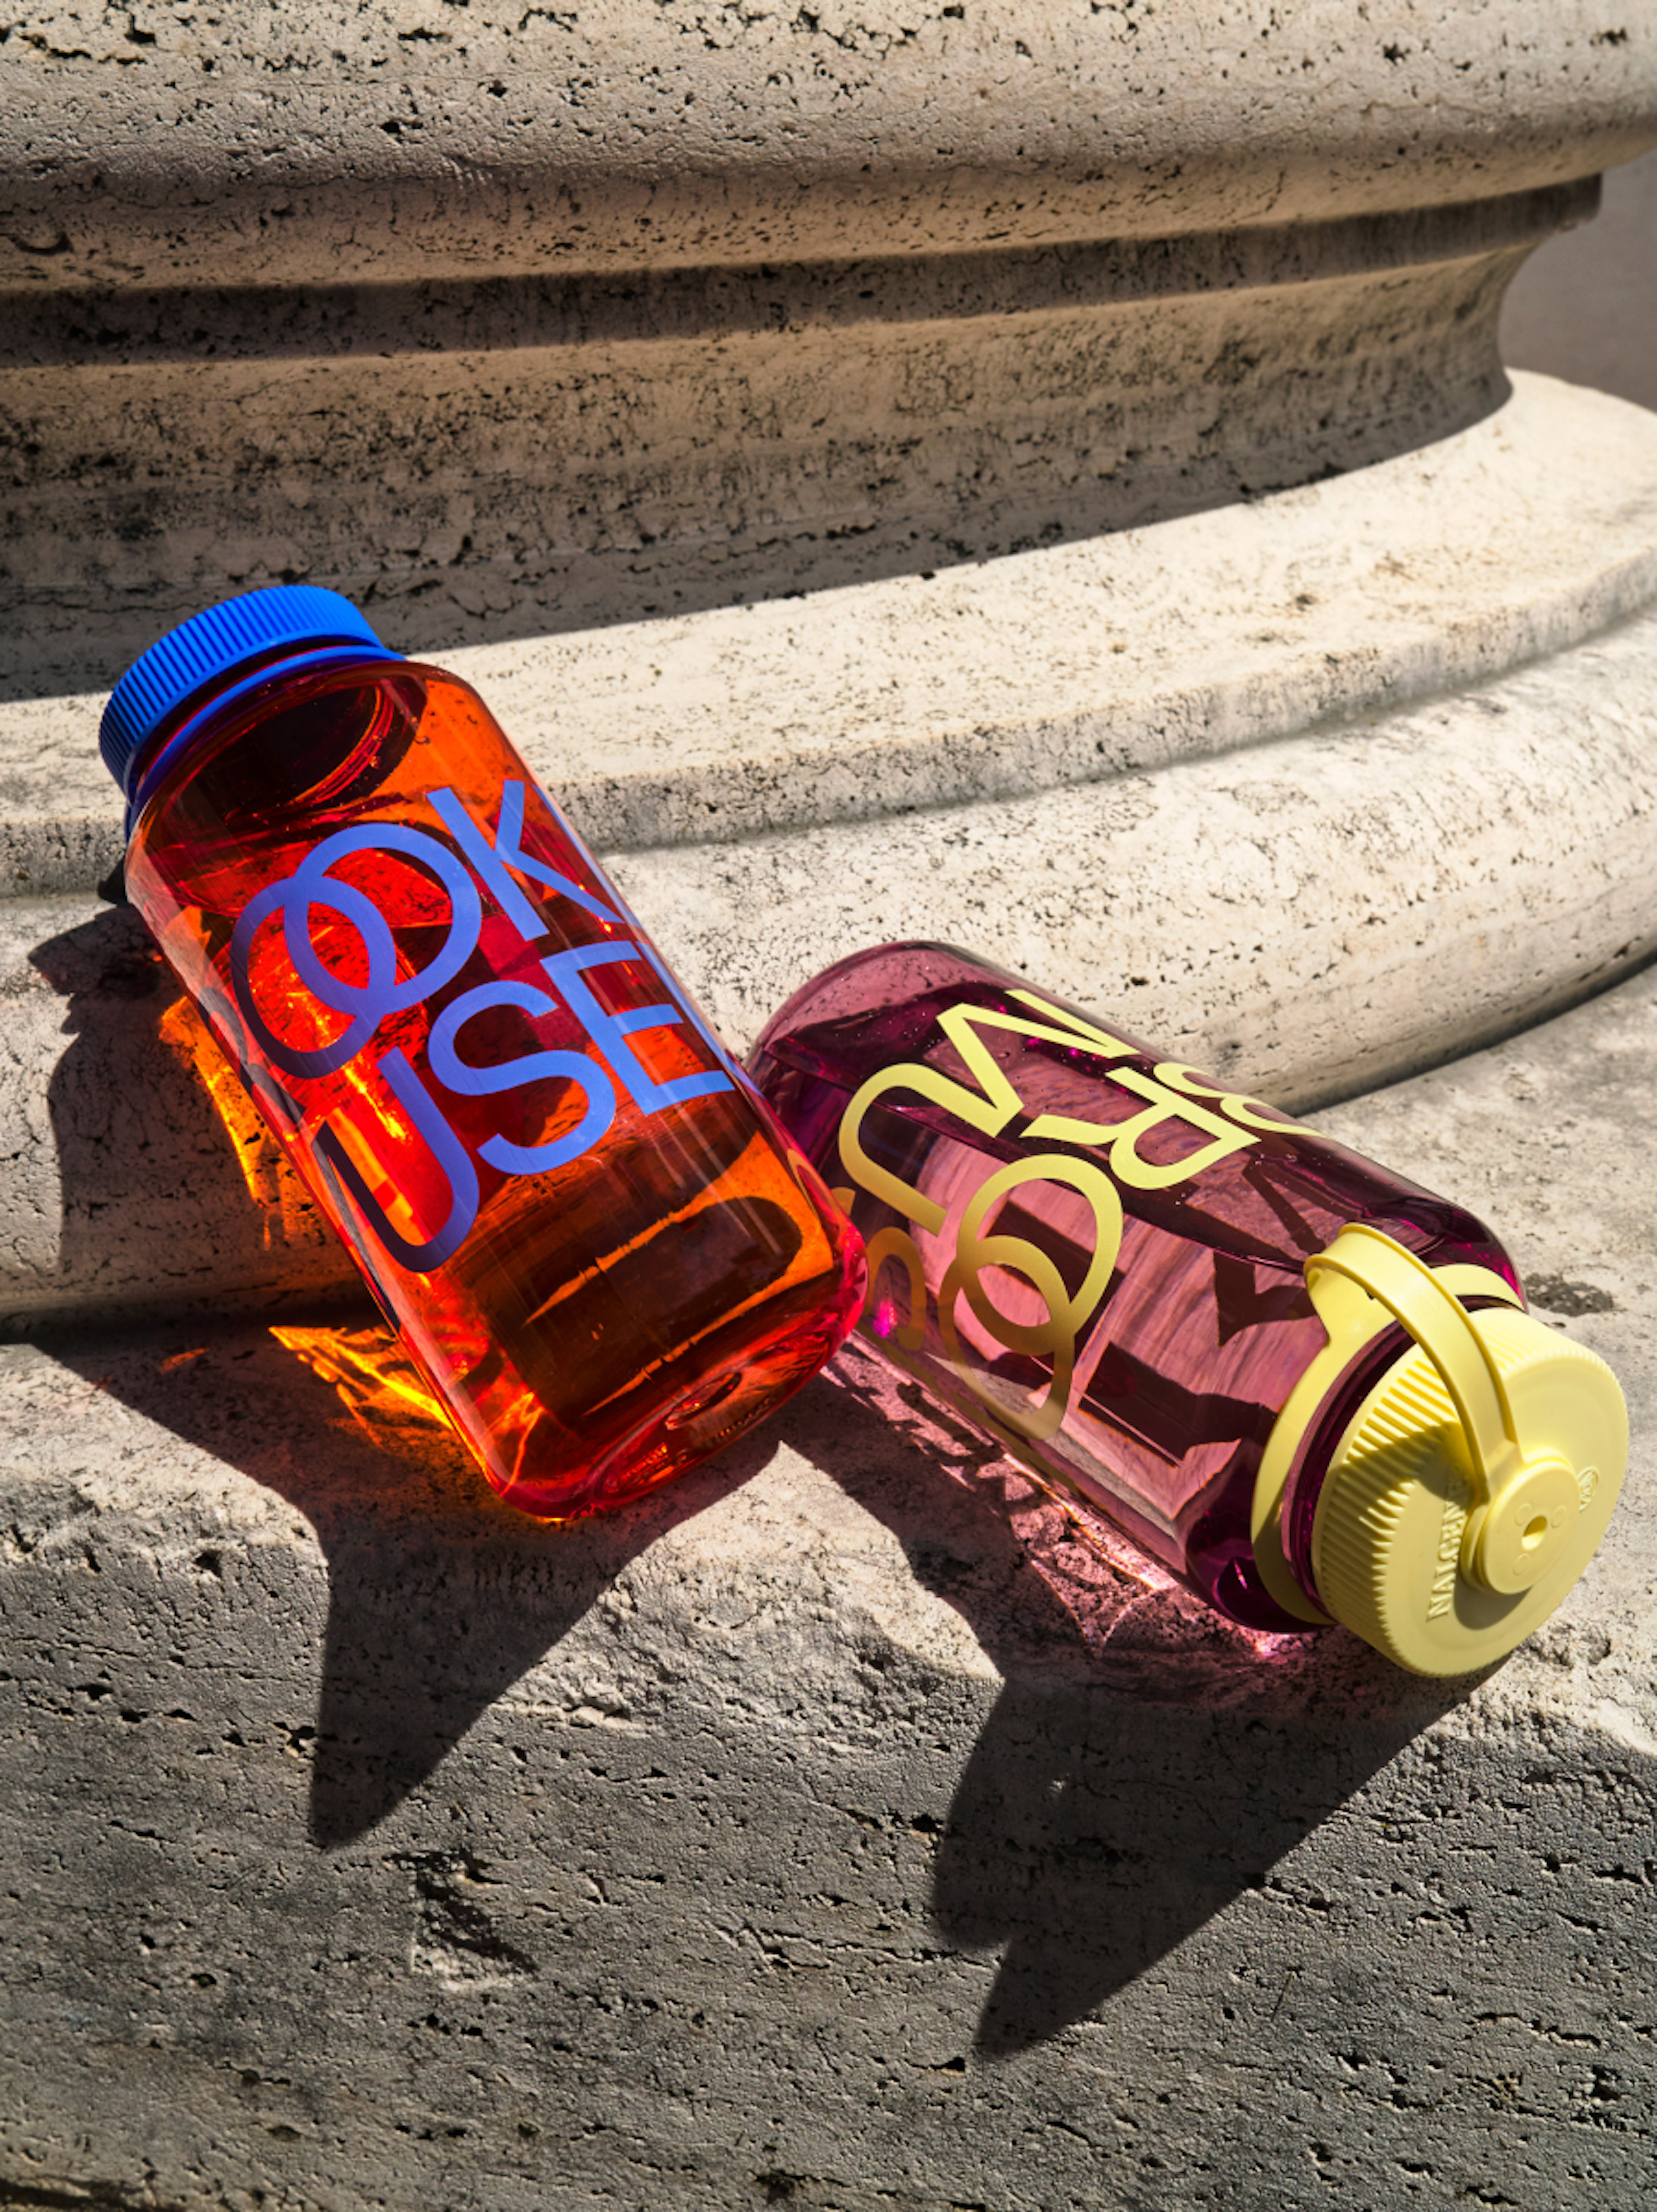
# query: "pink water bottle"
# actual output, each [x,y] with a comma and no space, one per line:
[597,1245]
[1308,1387]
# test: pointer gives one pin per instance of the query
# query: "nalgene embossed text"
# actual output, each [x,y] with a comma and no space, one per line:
[596,1244]
[1308,1387]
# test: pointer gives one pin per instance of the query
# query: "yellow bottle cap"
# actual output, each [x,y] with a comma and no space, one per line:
[1472,1485]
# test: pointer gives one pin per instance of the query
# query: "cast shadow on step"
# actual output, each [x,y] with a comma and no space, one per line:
[1142,1765]
[440,1598]
[1139,1767]
[168,1275]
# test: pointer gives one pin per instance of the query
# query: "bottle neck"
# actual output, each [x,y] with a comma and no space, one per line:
[1320,1447]
[1304,1488]
[173,739]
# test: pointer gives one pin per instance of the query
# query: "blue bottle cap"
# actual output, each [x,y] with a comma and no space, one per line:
[212,644]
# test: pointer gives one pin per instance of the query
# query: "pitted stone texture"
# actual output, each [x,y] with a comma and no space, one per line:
[1305,918]
[836,1829]
[557,319]
[622,456]
[1066,665]
[397,142]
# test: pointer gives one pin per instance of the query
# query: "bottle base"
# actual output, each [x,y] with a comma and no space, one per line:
[690,1426]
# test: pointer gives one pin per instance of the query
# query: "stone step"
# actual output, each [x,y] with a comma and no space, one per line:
[835,1828]
[1060,666]
[1307,919]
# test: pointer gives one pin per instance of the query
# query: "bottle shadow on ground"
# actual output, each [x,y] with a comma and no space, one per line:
[171,1192]
[1143,1765]
[439,1597]
[176,1215]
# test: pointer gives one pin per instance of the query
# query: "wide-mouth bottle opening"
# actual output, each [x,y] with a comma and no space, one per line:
[157,709]
[182,732]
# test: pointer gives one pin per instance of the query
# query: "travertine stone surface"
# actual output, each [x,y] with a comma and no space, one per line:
[405,140]
[535,462]
[1309,916]
[544,320]
[836,1830]
[135,1171]
[1063,664]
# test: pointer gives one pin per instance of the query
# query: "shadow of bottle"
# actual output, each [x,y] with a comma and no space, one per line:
[439,1597]
[1143,1764]
[170,1193]
[176,1215]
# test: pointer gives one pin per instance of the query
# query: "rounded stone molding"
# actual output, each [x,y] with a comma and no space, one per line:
[537,456]
[533,323]
[412,142]
[1307,919]
[1061,665]
[1246,834]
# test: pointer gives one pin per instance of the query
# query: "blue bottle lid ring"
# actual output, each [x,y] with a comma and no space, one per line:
[212,644]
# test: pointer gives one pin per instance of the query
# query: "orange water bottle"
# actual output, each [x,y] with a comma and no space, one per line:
[596,1241]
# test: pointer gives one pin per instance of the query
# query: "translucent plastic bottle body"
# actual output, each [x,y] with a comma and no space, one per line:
[1095,1255]
[596,1242]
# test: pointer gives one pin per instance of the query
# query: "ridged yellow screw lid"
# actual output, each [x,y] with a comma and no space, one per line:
[1473,1485]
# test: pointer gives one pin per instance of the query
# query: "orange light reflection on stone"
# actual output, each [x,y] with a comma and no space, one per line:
[271,1185]
[368,1371]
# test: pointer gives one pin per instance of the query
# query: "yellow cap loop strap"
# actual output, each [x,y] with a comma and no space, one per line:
[1438,1322]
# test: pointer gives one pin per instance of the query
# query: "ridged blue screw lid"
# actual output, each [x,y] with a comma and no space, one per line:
[212,644]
